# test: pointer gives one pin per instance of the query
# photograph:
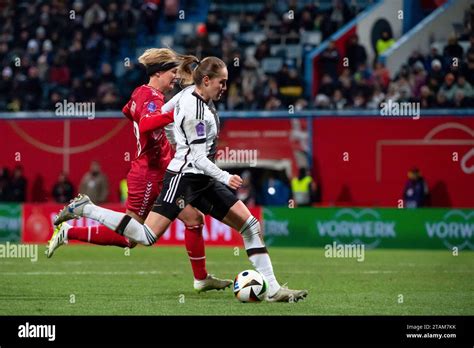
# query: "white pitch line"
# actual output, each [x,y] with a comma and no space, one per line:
[85,273]
[378,272]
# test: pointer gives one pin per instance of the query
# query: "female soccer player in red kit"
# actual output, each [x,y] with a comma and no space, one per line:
[146,175]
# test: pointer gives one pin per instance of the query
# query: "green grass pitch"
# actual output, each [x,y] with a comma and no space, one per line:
[93,280]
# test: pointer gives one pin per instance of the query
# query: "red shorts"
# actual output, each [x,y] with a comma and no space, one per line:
[143,189]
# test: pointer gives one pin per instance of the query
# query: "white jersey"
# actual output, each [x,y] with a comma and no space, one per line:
[170,105]
[196,129]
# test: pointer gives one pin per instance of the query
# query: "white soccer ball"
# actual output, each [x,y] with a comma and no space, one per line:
[250,286]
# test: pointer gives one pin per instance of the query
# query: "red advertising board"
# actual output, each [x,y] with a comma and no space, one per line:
[364,160]
[38,226]
[47,147]
[357,160]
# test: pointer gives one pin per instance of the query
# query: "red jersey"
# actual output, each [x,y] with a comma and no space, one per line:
[153,148]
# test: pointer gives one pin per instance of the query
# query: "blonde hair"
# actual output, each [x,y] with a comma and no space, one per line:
[153,56]
[163,56]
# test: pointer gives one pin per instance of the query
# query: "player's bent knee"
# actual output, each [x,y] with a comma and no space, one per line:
[192,217]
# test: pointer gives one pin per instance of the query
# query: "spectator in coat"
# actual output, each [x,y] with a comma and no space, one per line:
[95,184]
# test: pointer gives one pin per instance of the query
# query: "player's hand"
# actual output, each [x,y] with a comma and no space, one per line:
[173,147]
[235,182]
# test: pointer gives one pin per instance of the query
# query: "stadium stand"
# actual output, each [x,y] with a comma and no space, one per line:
[48,59]
[44,59]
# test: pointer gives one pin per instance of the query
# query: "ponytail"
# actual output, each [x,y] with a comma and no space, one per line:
[185,69]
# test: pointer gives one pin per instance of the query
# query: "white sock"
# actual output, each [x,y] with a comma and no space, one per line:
[121,223]
[258,254]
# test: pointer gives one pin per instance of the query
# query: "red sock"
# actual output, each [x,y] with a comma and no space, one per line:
[195,247]
[99,235]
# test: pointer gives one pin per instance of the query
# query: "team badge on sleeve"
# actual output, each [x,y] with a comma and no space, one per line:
[200,129]
[151,106]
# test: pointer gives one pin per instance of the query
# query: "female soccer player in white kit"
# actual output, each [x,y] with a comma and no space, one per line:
[192,178]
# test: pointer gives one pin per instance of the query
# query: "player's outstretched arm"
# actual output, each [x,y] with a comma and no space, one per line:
[155,120]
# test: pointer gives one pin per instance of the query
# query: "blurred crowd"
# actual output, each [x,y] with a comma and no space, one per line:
[77,51]
[442,78]
[251,84]
[56,50]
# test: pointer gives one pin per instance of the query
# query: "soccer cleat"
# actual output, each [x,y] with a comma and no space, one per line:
[58,238]
[74,209]
[211,283]
[287,295]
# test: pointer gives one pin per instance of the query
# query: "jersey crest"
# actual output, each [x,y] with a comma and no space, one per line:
[200,129]
[151,106]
